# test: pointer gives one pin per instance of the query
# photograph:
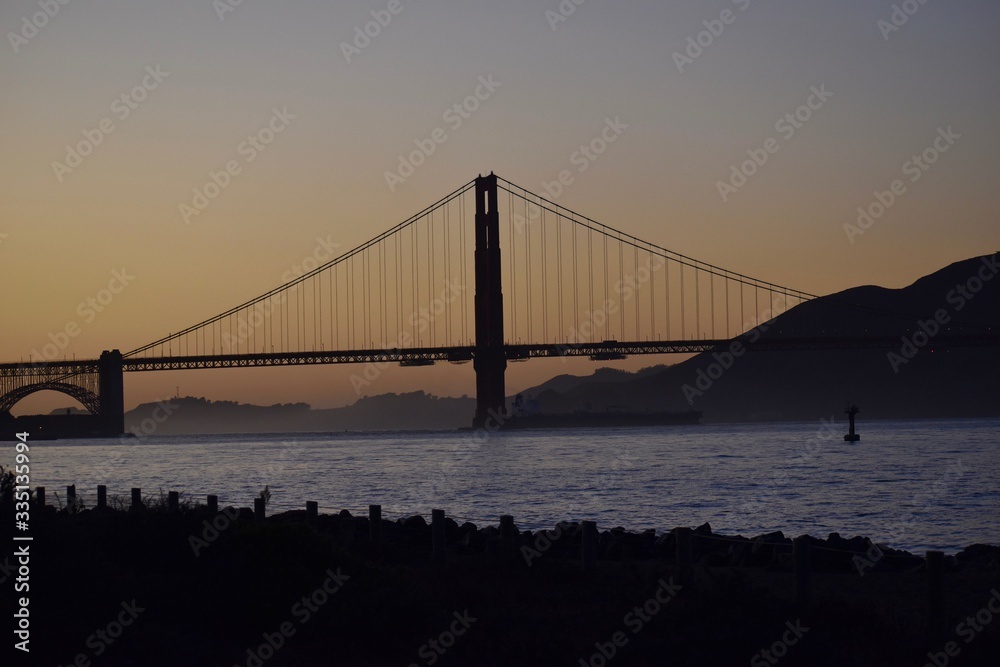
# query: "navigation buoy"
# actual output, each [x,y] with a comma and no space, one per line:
[851,435]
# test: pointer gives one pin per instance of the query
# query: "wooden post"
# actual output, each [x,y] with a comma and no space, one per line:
[40,495]
[588,556]
[213,504]
[136,499]
[375,523]
[437,535]
[173,502]
[102,496]
[258,509]
[508,533]
[71,498]
[800,559]
[935,591]
[312,512]
[685,551]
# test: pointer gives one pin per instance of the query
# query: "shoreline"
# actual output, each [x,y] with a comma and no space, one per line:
[91,500]
[834,543]
[213,583]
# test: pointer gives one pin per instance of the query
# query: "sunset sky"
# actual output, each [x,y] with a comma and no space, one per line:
[114,113]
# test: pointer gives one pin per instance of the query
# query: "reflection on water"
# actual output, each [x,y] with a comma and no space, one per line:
[913,485]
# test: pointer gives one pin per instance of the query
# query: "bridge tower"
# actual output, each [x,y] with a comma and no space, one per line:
[112,392]
[491,360]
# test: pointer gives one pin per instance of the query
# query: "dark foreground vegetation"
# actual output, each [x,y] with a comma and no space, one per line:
[191,587]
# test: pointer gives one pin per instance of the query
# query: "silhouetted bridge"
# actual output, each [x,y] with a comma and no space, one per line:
[573,288]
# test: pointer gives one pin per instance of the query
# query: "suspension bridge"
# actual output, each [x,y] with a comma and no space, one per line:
[437,288]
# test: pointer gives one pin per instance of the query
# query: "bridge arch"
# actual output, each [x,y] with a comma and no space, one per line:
[86,397]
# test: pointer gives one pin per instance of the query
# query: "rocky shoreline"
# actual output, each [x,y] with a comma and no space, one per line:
[229,587]
[769,550]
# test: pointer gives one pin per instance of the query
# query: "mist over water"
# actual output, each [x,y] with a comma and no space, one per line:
[911,485]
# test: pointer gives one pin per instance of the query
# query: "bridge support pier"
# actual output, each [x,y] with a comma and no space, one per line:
[112,391]
[490,360]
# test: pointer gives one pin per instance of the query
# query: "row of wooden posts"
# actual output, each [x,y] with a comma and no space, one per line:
[684,542]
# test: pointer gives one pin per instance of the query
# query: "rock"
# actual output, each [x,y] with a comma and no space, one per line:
[777,537]
[980,554]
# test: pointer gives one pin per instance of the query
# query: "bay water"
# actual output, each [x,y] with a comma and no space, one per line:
[913,485]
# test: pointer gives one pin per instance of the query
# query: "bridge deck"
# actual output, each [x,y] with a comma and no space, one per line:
[604,350]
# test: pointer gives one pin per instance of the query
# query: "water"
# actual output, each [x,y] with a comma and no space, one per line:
[912,485]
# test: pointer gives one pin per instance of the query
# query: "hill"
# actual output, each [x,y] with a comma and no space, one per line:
[917,380]
[387,412]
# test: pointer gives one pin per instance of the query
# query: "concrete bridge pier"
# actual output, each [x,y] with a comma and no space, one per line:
[112,392]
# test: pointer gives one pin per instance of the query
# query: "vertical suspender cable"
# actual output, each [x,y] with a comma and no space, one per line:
[559,273]
[545,288]
[683,329]
[697,302]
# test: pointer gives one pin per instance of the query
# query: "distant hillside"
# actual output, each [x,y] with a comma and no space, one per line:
[388,412]
[564,383]
[806,385]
